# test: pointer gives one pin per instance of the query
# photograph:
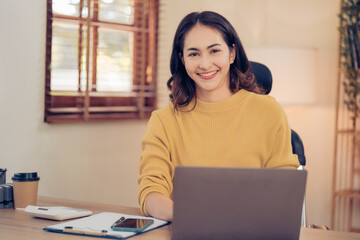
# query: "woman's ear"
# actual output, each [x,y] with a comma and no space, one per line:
[181,58]
[232,54]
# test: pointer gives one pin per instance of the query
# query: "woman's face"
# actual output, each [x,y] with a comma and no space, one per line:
[207,60]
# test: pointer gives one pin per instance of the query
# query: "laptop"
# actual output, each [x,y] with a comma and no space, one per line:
[237,203]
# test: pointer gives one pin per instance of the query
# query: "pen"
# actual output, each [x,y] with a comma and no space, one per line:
[71,229]
[42,208]
[118,221]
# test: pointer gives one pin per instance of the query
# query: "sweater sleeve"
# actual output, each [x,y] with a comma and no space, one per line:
[281,155]
[156,169]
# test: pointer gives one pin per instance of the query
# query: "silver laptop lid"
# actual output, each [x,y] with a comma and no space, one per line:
[237,203]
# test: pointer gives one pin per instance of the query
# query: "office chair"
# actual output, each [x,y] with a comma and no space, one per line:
[263,78]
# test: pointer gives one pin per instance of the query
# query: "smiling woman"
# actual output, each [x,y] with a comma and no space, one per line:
[100,59]
[216,116]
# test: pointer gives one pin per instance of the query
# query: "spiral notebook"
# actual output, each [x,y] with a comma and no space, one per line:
[99,225]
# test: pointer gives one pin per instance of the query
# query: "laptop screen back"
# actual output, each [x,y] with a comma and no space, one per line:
[237,203]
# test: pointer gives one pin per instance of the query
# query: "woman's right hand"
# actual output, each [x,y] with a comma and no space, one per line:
[159,206]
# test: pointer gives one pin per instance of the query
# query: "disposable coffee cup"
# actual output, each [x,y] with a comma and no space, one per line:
[2,175]
[25,189]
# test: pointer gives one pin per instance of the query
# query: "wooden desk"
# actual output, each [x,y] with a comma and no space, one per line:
[18,225]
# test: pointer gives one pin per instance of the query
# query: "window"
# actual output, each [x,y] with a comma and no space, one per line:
[100,60]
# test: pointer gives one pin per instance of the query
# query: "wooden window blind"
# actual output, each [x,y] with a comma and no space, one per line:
[100,60]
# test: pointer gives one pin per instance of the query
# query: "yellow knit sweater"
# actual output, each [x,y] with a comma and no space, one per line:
[245,130]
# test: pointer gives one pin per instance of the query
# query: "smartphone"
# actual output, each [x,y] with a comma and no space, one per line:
[132,224]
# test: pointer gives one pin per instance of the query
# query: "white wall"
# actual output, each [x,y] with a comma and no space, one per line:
[98,161]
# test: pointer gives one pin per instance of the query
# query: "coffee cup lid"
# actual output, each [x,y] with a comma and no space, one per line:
[25,177]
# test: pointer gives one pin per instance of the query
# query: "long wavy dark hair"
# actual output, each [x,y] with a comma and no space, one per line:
[182,87]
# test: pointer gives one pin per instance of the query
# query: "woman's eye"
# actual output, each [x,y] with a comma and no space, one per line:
[215,50]
[192,54]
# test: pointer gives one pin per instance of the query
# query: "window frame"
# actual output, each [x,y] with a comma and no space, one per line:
[92,105]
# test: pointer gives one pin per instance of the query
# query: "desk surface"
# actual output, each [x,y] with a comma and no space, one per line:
[18,225]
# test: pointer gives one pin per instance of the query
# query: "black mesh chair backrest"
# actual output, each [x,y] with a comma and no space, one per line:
[263,78]
[298,147]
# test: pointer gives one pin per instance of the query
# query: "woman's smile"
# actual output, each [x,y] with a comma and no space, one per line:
[208,75]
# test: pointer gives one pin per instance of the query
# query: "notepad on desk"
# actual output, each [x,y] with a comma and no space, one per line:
[100,225]
[57,213]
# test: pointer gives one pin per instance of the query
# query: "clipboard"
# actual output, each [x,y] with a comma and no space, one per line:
[99,225]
